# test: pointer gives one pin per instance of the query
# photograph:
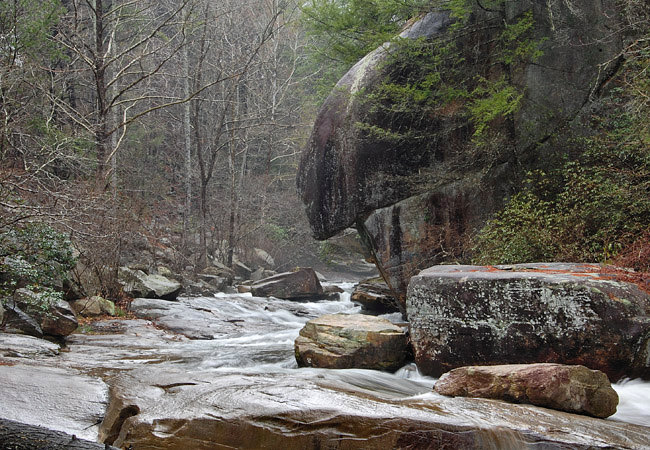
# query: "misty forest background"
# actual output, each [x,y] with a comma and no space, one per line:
[177,125]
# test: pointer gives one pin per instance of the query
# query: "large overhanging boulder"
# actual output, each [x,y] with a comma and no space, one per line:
[446,186]
[562,313]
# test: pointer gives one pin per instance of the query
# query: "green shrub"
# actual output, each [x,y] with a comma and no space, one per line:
[37,257]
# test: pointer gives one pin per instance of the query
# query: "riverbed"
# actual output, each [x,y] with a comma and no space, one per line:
[250,338]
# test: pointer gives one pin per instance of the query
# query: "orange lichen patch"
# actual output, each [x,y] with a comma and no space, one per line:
[641,279]
[6,363]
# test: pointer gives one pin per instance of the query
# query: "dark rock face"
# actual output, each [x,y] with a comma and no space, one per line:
[433,191]
[574,389]
[345,341]
[60,320]
[301,284]
[562,313]
[25,316]
[375,297]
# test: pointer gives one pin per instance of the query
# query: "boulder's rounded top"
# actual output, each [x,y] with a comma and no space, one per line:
[550,272]
[357,321]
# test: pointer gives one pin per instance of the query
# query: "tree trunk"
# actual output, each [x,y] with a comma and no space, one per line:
[187,132]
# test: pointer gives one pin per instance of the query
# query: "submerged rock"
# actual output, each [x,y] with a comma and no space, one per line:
[311,409]
[343,341]
[575,389]
[526,313]
[300,284]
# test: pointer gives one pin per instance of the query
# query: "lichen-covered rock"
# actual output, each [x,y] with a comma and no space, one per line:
[415,200]
[344,341]
[136,283]
[574,389]
[375,297]
[300,284]
[94,306]
[562,313]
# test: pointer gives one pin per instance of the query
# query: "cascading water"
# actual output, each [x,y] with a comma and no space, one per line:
[269,326]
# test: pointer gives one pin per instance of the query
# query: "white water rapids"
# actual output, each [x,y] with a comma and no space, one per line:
[269,345]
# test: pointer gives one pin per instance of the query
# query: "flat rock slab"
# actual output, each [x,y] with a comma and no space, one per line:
[563,313]
[315,408]
[22,346]
[54,398]
[575,389]
[343,341]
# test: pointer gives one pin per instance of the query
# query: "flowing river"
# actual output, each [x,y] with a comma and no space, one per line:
[247,336]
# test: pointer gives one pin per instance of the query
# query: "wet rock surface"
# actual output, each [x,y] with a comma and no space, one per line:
[313,408]
[562,313]
[55,398]
[242,389]
[573,389]
[344,341]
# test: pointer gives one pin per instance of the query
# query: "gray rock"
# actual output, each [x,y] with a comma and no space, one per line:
[346,341]
[55,398]
[375,297]
[562,313]
[19,346]
[136,283]
[301,284]
[17,321]
[574,389]
[60,320]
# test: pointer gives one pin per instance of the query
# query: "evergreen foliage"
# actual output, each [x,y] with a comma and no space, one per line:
[37,257]
[592,208]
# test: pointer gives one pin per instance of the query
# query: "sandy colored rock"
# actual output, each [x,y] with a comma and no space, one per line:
[575,389]
[93,306]
[342,341]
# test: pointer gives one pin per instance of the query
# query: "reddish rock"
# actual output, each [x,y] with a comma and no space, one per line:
[527,313]
[301,284]
[574,389]
[345,341]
